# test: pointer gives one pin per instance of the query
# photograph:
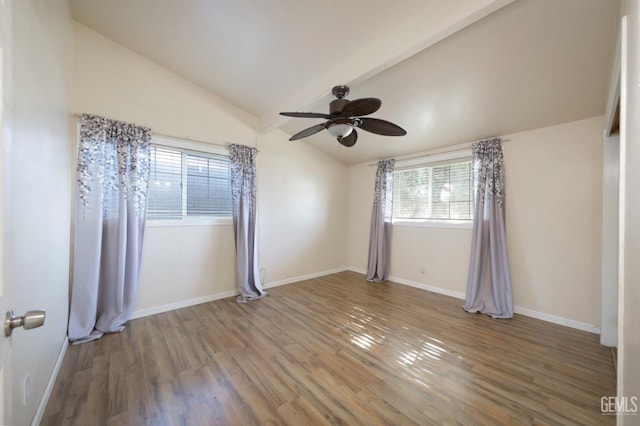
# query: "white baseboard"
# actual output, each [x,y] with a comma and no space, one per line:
[517,309]
[557,320]
[182,304]
[434,289]
[304,277]
[37,418]
[223,295]
[439,290]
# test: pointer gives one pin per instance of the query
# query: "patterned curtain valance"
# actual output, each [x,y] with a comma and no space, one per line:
[115,154]
[384,186]
[243,171]
[384,179]
[243,156]
[488,168]
[94,126]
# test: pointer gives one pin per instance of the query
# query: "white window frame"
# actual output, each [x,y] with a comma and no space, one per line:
[429,161]
[195,147]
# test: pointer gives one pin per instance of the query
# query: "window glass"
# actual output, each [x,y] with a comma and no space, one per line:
[186,184]
[434,193]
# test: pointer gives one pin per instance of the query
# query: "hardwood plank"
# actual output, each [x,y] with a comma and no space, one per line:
[301,412]
[335,350]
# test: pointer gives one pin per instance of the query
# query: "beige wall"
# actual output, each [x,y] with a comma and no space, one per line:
[361,186]
[554,218]
[182,263]
[301,192]
[302,201]
[37,173]
[553,213]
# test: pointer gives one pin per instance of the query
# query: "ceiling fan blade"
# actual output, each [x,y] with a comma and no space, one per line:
[306,115]
[381,127]
[349,140]
[364,106]
[308,132]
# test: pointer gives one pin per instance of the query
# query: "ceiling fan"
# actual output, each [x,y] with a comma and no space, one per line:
[344,116]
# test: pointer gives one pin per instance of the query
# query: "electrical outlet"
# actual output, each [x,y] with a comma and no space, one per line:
[263,273]
[26,386]
[423,269]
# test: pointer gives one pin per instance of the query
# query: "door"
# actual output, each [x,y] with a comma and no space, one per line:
[5,345]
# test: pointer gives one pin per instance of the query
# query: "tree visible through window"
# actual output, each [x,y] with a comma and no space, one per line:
[434,193]
[188,184]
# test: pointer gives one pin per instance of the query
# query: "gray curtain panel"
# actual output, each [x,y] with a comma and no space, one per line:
[489,281]
[112,182]
[243,187]
[380,232]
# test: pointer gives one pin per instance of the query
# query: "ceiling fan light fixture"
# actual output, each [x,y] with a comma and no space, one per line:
[340,130]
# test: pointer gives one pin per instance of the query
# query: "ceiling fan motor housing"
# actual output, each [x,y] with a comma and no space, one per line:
[336,105]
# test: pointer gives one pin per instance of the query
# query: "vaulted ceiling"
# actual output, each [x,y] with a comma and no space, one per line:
[446,71]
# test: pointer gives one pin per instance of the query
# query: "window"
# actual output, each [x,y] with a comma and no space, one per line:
[435,193]
[186,184]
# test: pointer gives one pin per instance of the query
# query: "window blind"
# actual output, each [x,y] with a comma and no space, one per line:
[439,192]
[188,184]
[208,186]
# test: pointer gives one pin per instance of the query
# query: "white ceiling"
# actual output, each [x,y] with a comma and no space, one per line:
[446,71]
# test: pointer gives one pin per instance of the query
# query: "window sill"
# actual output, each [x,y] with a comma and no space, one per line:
[207,221]
[449,224]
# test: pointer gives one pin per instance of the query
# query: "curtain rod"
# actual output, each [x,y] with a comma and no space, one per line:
[184,138]
[435,151]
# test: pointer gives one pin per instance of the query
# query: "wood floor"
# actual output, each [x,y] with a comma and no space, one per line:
[335,350]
